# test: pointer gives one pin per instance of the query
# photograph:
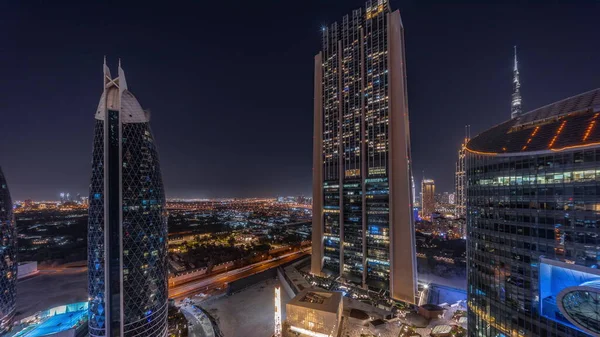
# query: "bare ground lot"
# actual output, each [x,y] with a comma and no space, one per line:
[249,313]
[49,289]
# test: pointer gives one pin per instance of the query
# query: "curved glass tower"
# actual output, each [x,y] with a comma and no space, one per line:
[533,217]
[8,257]
[127,228]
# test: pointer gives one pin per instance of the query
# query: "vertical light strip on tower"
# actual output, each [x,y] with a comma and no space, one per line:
[460,181]
[277,312]
[516,110]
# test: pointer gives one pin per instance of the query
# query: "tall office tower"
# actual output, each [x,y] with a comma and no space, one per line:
[362,223]
[127,226]
[460,181]
[533,222]
[8,258]
[515,108]
[428,196]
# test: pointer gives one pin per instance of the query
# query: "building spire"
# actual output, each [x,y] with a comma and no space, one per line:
[122,80]
[107,77]
[515,108]
[515,65]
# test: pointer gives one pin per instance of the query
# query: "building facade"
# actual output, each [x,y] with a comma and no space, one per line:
[428,197]
[8,261]
[533,222]
[127,226]
[315,313]
[362,221]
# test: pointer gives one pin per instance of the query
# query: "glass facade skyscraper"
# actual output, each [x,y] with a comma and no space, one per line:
[127,229]
[8,258]
[533,217]
[362,203]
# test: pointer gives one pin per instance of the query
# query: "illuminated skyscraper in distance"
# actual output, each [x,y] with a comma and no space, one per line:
[127,226]
[8,258]
[428,196]
[515,108]
[363,226]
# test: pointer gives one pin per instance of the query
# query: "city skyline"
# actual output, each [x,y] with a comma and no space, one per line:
[259,143]
[505,238]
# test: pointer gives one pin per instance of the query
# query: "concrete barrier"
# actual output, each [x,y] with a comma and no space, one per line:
[222,266]
[182,277]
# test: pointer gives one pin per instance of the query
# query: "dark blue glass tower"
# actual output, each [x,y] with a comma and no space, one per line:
[8,258]
[127,229]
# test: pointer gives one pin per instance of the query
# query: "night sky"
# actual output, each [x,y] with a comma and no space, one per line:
[230,84]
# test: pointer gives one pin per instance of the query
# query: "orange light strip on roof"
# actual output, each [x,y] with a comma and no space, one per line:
[481,152]
[590,127]
[562,125]
[537,128]
[575,146]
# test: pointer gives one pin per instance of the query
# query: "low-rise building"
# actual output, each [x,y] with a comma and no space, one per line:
[315,313]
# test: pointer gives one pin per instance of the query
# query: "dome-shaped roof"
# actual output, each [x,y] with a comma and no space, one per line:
[572,122]
[117,97]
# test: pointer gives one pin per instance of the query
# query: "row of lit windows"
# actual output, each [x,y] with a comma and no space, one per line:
[543,178]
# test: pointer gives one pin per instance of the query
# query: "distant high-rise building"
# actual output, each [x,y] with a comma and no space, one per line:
[533,223]
[8,258]
[127,226]
[452,198]
[515,109]
[428,196]
[459,178]
[363,227]
[445,198]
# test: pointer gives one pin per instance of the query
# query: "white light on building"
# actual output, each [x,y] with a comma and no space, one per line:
[277,312]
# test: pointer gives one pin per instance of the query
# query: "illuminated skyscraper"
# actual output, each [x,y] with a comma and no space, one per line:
[362,220]
[127,226]
[8,258]
[515,109]
[533,223]
[428,196]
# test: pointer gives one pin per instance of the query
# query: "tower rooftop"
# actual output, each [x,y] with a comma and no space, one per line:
[568,123]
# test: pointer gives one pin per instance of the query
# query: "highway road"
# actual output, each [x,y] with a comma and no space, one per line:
[219,281]
[173,283]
